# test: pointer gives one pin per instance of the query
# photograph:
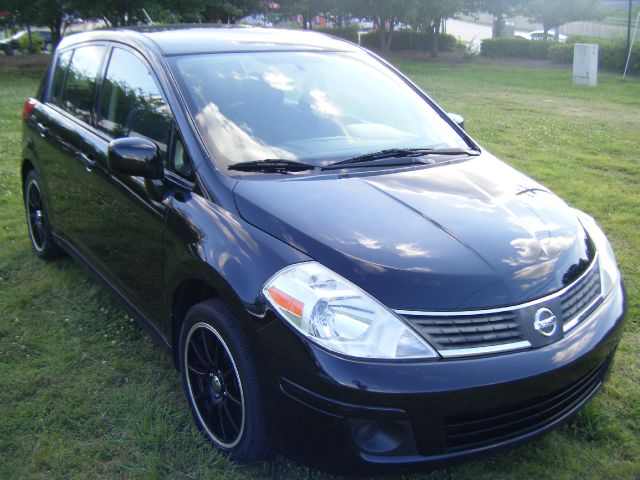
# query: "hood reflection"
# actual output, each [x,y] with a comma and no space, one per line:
[428,229]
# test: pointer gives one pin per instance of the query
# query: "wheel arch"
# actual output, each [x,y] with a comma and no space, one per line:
[26,166]
[201,282]
[188,293]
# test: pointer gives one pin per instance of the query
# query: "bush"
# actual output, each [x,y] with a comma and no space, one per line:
[507,47]
[515,47]
[583,39]
[561,53]
[612,55]
[349,33]
[409,40]
[538,50]
[37,43]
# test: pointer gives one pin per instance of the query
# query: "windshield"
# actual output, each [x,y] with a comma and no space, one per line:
[312,107]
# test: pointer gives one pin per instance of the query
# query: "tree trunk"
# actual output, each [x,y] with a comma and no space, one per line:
[435,35]
[382,31]
[55,27]
[30,39]
[383,39]
[498,26]
[392,24]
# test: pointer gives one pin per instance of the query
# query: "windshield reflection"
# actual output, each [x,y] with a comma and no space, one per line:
[306,106]
[232,143]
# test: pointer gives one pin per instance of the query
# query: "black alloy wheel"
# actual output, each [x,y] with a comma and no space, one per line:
[40,235]
[222,384]
[214,384]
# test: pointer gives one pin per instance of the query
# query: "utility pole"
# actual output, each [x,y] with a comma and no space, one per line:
[629,25]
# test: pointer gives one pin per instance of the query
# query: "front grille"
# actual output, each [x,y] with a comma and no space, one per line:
[577,301]
[469,432]
[481,332]
[469,331]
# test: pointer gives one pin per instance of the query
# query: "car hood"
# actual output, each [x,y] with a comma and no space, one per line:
[469,235]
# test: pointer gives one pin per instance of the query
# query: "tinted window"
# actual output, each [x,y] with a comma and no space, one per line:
[58,77]
[81,81]
[132,104]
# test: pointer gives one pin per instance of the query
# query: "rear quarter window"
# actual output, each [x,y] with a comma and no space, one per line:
[59,74]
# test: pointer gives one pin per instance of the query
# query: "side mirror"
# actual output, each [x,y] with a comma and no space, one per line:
[457,119]
[136,156]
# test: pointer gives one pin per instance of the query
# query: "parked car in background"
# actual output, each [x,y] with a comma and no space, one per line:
[337,269]
[539,35]
[20,40]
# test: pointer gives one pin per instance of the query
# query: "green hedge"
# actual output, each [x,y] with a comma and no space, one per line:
[515,47]
[612,53]
[561,53]
[409,40]
[613,56]
[348,33]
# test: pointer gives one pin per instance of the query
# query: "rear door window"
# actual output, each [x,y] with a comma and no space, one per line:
[132,104]
[79,89]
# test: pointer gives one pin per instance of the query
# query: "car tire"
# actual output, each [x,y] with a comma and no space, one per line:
[38,226]
[221,383]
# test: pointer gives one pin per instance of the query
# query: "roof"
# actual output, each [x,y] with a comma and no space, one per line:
[190,39]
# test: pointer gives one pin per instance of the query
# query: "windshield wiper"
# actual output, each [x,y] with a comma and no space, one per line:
[395,153]
[269,165]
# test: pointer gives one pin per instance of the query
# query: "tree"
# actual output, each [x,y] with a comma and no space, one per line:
[50,13]
[429,14]
[386,15]
[55,14]
[553,13]
[228,11]
[499,9]
[309,9]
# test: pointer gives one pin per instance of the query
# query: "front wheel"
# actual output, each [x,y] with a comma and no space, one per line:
[221,383]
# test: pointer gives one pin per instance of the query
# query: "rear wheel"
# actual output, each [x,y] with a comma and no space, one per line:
[221,383]
[40,235]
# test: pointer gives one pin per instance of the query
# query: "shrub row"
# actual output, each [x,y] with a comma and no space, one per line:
[514,47]
[612,53]
[409,40]
[349,33]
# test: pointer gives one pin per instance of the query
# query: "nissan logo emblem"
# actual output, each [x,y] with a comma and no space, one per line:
[545,322]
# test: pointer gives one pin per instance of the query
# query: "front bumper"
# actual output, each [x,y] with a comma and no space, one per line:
[340,413]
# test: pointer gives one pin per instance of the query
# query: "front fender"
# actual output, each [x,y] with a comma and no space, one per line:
[207,243]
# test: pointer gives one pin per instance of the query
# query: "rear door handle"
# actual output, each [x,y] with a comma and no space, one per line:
[88,160]
[42,129]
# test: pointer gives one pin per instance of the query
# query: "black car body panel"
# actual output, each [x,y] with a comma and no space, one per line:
[456,236]
[466,236]
[496,401]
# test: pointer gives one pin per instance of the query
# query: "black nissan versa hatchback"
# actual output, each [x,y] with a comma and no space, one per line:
[338,270]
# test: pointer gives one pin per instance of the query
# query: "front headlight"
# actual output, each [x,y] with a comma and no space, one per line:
[341,317]
[609,274]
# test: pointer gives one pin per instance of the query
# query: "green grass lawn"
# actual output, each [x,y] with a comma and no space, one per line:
[84,393]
